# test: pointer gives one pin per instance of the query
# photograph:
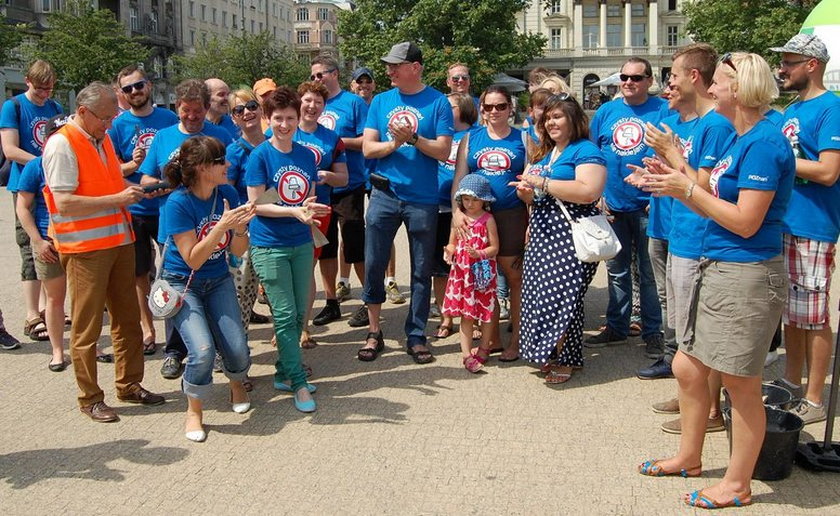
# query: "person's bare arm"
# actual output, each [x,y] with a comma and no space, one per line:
[10,138]
[824,171]
[72,205]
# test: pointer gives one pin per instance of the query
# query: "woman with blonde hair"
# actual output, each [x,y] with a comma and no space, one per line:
[742,278]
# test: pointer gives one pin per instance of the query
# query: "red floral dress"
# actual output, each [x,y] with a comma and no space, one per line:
[462,298]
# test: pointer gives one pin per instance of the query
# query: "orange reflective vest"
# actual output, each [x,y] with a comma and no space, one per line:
[104,229]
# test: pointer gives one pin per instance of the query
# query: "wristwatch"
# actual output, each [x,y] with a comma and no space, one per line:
[413,139]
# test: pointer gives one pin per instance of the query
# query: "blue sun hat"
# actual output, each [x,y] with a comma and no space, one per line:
[476,185]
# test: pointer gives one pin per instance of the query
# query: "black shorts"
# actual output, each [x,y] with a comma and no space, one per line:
[27,262]
[440,269]
[145,232]
[348,210]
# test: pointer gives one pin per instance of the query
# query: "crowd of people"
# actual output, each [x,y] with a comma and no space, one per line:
[720,203]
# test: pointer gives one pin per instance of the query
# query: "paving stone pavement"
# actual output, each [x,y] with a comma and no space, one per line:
[389,437]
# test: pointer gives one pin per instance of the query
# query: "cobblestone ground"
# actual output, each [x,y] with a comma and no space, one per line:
[389,437]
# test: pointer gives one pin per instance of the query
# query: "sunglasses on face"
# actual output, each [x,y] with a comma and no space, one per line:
[727,60]
[634,78]
[364,81]
[137,86]
[320,75]
[498,107]
[459,78]
[251,105]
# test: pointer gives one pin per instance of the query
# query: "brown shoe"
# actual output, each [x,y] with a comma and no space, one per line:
[713,424]
[100,412]
[671,406]
[142,396]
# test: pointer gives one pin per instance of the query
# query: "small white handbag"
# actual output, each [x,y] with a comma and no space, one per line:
[593,237]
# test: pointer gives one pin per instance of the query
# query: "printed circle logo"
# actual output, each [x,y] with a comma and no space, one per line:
[406,118]
[791,130]
[328,120]
[494,161]
[453,154]
[205,229]
[687,146]
[39,132]
[316,152]
[628,135]
[720,169]
[145,140]
[292,187]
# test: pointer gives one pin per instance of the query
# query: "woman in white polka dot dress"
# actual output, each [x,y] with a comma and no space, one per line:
[567,168]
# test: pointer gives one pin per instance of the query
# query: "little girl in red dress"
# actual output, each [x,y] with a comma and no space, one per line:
[471,287]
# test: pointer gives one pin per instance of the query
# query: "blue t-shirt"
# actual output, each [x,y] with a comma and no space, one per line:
[774,116]
[32,180]
[328,149]
[186,212]
[500,161]
[346,114]
[758,160]
[237,155]
[619,131]
[659,214]
[578,152]
[31,128]
[294,175]
[227,123]
[129,131]
[164,148]
[814,210]
[713,135]
[446,171]
[413,174]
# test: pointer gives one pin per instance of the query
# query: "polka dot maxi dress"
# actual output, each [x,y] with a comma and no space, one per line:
[462,298]
[554,284]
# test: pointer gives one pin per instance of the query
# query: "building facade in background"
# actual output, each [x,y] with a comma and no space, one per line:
[316,26]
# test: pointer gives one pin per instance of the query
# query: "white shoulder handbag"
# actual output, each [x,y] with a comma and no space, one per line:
[593,236]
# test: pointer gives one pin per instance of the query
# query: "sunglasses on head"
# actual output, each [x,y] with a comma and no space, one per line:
[137,86]
[727,60]
[218,161]
[562,97]
[320,75]
[251,105]
[459,78]
[634,78]
[498,107]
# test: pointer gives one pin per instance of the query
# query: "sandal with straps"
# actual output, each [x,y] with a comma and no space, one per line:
[700,500]
[651,468]
[368,354]
[555,376]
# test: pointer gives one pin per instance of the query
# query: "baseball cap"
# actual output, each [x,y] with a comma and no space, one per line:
[55,123]
[263,86]
[405,52]
[364,70]
[809,45]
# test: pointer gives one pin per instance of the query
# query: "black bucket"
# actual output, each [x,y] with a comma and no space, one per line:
[771,395]
[775,460]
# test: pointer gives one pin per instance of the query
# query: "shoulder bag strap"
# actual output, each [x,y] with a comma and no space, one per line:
[166,246]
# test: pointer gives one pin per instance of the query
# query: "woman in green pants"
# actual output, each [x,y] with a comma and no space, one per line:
[281,236]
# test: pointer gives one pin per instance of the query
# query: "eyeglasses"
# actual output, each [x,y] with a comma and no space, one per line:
[634,78]
[251,105]
[459,78]
[320,75]
[218,161]
[791,64]
[727,60]
[45,89]
[137,86]
[501,106]
[103,120]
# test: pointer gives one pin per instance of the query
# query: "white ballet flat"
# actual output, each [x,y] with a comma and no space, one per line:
[197,436]
[241,408]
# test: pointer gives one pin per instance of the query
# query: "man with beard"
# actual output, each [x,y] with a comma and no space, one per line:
[192,103]
[812,222]
[219,112]
[132,133]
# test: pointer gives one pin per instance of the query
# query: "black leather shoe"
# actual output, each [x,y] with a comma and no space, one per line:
[330,313]
[657,370]
[141,396]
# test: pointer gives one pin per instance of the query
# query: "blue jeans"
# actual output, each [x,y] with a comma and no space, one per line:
[209,319]
[631,230]
[384,215]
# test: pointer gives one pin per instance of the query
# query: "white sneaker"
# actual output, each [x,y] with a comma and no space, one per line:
[342,292]
[809,412]
[394,294]
[434,311]
[504,308]
[772,358]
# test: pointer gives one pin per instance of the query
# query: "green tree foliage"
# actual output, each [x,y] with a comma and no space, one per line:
[480,33]
[242,60]
[748,25]
[86,44]
[10,37]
